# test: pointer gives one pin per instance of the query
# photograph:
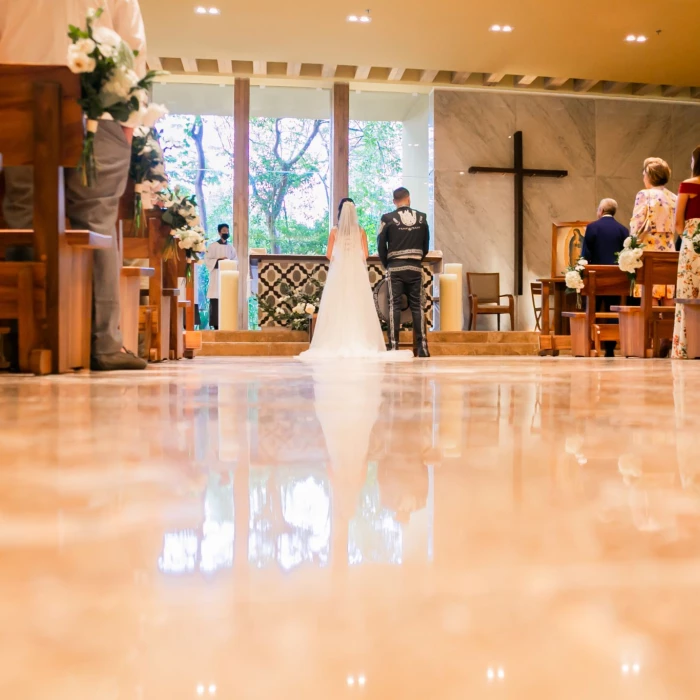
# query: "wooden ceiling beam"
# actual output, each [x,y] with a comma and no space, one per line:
[225,65]
[396,73]
[259,67]
[554,83]
[362,72]
[460,78]
[671,90]
[154,63]
[583,85]
[189,65]
[522,80]
[328,70]
[493,78]
[428,76]
[293,70]
[611,86]
[641,89]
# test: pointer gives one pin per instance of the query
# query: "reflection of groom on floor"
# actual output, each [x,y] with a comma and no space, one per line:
[403,242]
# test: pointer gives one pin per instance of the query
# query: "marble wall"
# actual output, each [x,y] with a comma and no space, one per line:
[601,142]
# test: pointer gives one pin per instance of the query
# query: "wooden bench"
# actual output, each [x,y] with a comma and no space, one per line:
[643,327]
[598,281]
[50,298]
[692,326]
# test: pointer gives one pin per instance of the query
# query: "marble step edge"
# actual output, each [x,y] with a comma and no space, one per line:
[238,349]
[281,336]
[483,349]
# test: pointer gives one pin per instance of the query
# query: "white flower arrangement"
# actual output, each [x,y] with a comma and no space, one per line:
[186,232]
[629,259]
[110,89]
[573,278]
[310,309]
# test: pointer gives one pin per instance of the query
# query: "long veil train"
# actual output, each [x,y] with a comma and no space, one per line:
[347,324]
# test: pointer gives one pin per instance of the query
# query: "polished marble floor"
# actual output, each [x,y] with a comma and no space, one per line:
[260,529]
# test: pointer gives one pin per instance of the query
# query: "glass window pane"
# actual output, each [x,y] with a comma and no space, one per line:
[388,149]
[290,156]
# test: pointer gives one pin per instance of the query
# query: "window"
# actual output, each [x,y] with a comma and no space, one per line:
[388,148]
[290,155]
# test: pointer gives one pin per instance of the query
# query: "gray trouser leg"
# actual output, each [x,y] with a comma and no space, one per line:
[96,208]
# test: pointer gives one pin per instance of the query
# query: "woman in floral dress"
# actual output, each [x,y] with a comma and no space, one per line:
[653,220]
[688,284]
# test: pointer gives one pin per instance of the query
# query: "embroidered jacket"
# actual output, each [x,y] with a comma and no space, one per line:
[404,238]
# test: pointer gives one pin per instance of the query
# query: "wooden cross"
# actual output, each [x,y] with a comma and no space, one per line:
[520,172]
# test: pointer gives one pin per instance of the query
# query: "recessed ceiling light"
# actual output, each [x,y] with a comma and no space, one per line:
[495,28]
[631,37]
[641,39]
[214,11]
[200,10]
[507,28]
[353,18]
[365,19]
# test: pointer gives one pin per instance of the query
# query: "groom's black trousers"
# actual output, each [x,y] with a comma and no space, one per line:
[407,280]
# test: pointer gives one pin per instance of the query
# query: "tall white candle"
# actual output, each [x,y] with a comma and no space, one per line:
[449,303]
[456,269]
[228,295]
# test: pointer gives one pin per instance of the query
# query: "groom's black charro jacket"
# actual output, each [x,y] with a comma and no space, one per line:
[404,238]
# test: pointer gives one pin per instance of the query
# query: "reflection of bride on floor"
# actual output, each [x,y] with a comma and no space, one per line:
[348,325]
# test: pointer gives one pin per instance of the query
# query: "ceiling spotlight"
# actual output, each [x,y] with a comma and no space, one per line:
[625,669]
[507,28]
[495,28]
[490,674]
[212,689]
[635,668]
[200,10]
[214,11]
[641,39]
[200,689]
[362,680]
[631,37]
[501,673]
[350,680]
[353,18]
[365,19]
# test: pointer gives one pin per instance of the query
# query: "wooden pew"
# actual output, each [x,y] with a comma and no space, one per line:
[692,326]
[598,280]
[51,297]
[642,327]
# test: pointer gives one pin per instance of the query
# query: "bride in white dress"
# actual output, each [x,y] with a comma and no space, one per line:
[347,324]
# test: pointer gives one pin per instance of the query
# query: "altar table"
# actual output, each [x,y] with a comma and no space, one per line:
[271,273]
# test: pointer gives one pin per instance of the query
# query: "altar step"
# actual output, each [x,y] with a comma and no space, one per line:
[282,343]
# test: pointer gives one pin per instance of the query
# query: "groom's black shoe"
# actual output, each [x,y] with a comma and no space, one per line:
[421,353]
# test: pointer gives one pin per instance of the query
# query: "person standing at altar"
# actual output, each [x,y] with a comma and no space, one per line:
[687,223]
[219,250]
[403,242]
[603,240]
[37,32]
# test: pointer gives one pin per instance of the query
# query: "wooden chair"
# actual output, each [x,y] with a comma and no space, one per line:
[692,326]
[536,291]
[643,327]
[485,298]
[51,297]
[598,280]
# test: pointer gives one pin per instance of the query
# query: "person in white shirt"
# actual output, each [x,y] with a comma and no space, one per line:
[36,31]
[217,251]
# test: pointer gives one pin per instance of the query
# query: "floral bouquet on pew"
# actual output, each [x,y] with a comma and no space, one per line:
[147,169]
[186,232]
[629,260]
[110,89]
[574,280]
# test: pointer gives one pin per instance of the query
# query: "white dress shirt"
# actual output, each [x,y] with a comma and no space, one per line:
[36,31]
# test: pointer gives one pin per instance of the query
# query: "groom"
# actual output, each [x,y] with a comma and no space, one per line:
[403,242]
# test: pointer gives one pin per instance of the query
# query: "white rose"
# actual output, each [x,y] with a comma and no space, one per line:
[582,262]
[628,242]
[80,62]
[298,309]
[573,280]
[153,113]
[310,309]
[85,46]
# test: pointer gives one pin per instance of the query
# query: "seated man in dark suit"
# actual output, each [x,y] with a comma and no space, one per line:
[603,239]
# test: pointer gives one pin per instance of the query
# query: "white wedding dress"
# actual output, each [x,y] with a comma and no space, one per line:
[347,324]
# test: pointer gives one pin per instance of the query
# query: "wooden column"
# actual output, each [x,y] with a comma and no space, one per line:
[241,170]
[340,125]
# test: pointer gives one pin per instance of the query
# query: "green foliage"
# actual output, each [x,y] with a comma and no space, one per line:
[295,308]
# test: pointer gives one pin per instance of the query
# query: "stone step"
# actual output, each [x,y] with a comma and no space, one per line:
[258,349]
[266,336]
[479,337]
[495,349]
